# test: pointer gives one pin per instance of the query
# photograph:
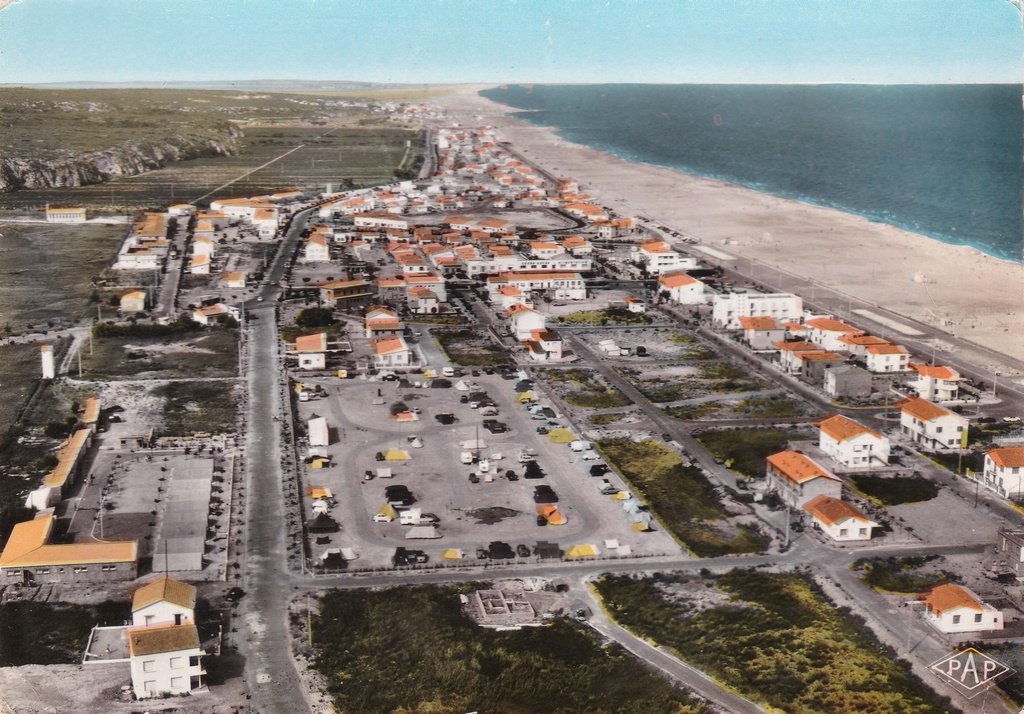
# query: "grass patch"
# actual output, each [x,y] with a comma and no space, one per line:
[744,450]
[900,575]
[778,641]
[973,460]
[724,377]
[49,633]
[374,658]
[211,352]
[895,491]
[608,316]
[680,495]
[197,407]
[773,407]
[470,348]
[603,419]
[690,412]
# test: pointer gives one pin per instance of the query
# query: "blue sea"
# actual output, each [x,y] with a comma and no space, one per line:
[940,160]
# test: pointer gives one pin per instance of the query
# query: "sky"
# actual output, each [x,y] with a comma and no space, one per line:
[498,41]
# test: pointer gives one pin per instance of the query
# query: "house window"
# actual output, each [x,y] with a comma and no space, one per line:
[149,687]
[81,569]
[956,619]
[193,661]
[977,618]
[863,531]
[149,665]
[42,571]
[842,532]
[177,683]
[177,662]
[108,568]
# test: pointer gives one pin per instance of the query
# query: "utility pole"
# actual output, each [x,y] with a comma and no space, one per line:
[79,353]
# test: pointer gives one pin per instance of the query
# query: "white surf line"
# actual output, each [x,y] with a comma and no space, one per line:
[247,173]
[892,324]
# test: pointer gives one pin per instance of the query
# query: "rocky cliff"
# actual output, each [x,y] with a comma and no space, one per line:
[125,159]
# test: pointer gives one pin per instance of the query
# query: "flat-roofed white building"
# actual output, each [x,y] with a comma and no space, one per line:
[65,214]
[728,308]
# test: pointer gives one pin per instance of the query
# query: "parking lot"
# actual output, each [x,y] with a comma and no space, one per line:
[428,456]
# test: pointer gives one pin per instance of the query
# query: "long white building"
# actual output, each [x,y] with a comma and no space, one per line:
[728,308]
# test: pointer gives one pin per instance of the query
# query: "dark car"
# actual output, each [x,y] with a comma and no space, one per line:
[389,378]
[498,550]
[533,470]
[481,553]
[404,556]
[464,399]
[496,427]
[523,551]
[446,418]
[599,469]
[544,494]
[511,475]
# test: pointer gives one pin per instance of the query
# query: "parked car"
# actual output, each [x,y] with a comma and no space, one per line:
[544,494]
[523,551]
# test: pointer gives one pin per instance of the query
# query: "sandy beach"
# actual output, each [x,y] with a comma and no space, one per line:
[956,289]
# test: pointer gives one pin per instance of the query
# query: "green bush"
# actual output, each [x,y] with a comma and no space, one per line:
[897,490]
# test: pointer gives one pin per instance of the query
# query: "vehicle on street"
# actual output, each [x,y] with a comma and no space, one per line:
[523,551]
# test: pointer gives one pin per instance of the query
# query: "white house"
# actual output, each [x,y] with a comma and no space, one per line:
[826,333]
[390,352]
[316,249]
[728,308]
[164,659]
[657,257]
[1003,472]
[498,263]
[213,314]
[797,479]
[232,279]
[199,265]
[310,350]
[935,383]
[380,321]
[132,301]
[887,358]
[164,600]
[953,609]
[524,320]
[839,520]
[851,444]
[761,332]
[681,288]
[544,346]
[930,425]
[559,285]
[203,245]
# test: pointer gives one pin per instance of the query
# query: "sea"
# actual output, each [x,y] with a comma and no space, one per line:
[940,160]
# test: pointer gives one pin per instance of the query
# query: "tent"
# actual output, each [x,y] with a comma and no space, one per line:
[418,532]
[317,492]
[322,524]
[348,554]
[396,455]
[547,550]
[560,436]
[451,554]
[385,514]
[526,396]
[469,444]
[384,472]
[406,416]
[581,551]
[622,495]
[321,504]
[319,463]
[462,386]
[551,514]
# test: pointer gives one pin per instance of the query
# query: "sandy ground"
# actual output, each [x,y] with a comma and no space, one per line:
[957,289]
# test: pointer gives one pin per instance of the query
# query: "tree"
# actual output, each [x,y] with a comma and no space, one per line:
[315,317]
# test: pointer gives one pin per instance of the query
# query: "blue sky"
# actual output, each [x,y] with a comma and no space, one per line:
[483,41]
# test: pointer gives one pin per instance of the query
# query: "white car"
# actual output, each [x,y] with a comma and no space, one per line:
[1012,419]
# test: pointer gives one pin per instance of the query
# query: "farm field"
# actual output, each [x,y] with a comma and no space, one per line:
[57,290]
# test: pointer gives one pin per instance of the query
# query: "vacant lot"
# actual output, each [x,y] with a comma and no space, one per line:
[584,388]
[896,490]
[198,407]
[775,638]
[376,660]
[671,383]
[209,352]
[39,293]
[608,316]
[470,348]
[681,496]
[744,450]
[902,575]
[51,633]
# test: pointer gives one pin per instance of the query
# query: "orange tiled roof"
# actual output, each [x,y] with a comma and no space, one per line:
[889,349]
[310,343]
[830,510]
[67,456]
[862,340]
[164,589]
[934,371]
[27,547]
[829,325]
[797,468]
[1007,456]
[676,280]
[943,598]
[921,409]
[388,345]
[758,322]
[841,428]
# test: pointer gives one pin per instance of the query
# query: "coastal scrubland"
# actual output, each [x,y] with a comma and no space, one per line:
[375,657]
[773,637]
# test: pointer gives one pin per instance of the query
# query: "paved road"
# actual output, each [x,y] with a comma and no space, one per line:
[270,675]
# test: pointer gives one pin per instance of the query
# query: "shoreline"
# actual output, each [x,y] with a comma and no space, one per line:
[954,288]
[806,200]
